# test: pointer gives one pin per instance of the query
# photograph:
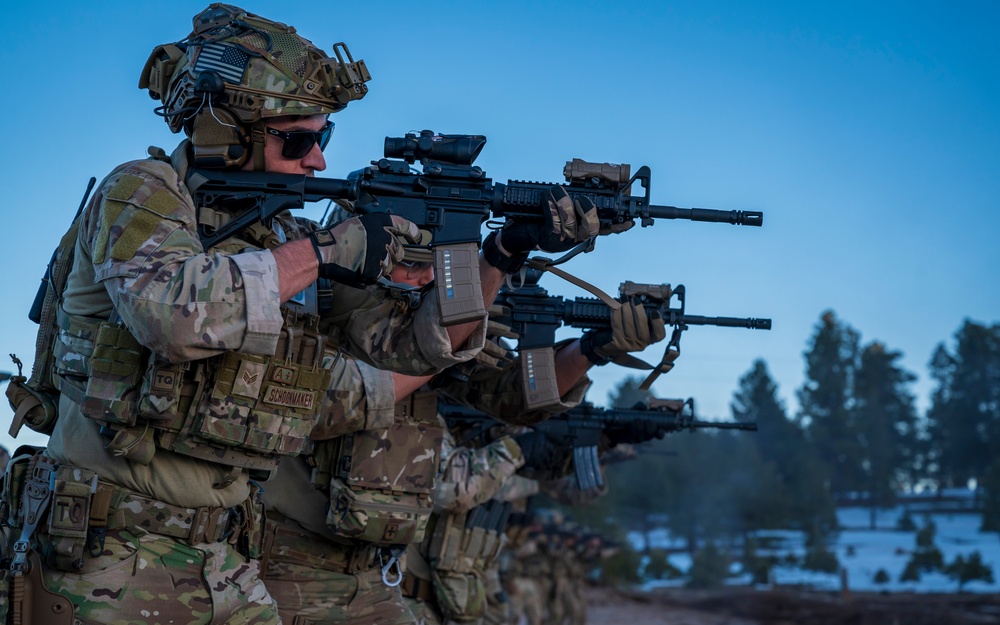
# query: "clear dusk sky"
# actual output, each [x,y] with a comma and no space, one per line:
[867,132]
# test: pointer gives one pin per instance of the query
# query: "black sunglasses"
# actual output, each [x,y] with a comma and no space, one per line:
[298,143]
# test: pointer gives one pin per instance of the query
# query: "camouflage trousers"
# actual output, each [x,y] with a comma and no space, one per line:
[527,599]
[149,579]
[425,613]
[312,596]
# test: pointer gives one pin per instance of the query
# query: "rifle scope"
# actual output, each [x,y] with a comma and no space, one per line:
[455,149]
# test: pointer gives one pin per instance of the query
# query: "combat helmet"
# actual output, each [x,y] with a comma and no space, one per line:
[237,69]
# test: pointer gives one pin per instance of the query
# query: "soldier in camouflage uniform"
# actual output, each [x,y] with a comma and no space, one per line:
[450,573]
[333,559]
[321,571]
[184,373]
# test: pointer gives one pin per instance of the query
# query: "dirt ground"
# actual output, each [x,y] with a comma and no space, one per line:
[744,606]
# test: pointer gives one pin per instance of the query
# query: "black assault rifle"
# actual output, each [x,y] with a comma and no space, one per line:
[450,199]
[534,316]
[577,433]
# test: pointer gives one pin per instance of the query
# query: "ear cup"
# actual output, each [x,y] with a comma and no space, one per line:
[219,139]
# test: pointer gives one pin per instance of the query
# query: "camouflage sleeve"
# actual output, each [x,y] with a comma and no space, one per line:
[397,338]
[470,477]
[498,390]
[360,397]
[517,488]
[140,233]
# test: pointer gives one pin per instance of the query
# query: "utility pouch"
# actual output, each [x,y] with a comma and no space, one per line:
[165,395]
[249,537]
[13,485]
[135,444]
[115,369]
[461,597]
[35,408]
[69,514]
[460,548]
[381,492]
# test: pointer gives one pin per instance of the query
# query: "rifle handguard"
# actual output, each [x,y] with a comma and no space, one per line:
[495,258]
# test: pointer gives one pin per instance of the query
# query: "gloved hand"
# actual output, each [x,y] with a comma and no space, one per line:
[634,432]
[360,250]
[566,223]
[537,449]
[632,330]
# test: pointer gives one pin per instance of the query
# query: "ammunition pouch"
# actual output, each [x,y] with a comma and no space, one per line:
[118,360]
[460,547]
[238,410]
[382,479]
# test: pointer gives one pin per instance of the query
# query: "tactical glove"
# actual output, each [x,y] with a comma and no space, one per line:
[360,250]
[537,449]
[632,330]
[567,222]
[634,432]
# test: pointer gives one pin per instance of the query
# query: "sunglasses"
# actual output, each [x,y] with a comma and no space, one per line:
[412,266]
[298,143]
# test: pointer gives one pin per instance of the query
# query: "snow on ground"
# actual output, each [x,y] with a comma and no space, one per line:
[863,551]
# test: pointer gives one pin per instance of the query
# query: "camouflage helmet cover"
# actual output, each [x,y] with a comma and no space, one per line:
[252,67]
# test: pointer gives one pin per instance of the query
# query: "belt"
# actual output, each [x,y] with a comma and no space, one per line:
[291,545]
[113,507]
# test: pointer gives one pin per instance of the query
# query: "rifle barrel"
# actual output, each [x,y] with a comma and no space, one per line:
[725,425]
[737,218]
[751,323]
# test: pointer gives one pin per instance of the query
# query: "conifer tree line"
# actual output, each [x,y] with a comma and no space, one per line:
[857,436]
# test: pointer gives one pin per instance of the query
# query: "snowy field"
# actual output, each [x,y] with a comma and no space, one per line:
[863,551]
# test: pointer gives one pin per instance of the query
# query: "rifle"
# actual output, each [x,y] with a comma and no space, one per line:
[450,199]
[579,429]
[534,316]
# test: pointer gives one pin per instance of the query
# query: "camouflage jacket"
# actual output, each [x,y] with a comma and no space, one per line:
[139,254]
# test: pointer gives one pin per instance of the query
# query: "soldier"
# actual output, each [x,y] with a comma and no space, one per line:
[330,558]
[450,573]
[324,562]
[185,373]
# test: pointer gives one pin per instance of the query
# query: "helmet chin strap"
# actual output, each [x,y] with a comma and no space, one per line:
[257,139]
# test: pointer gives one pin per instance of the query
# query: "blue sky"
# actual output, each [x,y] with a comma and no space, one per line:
[868,133]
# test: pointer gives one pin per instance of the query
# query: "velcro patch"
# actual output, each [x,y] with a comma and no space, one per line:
[125,188]
[249,378]
[162,202]
[110,211]
[140,227]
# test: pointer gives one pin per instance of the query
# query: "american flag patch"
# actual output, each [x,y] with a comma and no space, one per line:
[228,61]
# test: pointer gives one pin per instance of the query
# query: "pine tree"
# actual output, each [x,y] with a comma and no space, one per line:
[886,423]
[804,480]
[627,394]
[964,570]
[964,418]
[825,401]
